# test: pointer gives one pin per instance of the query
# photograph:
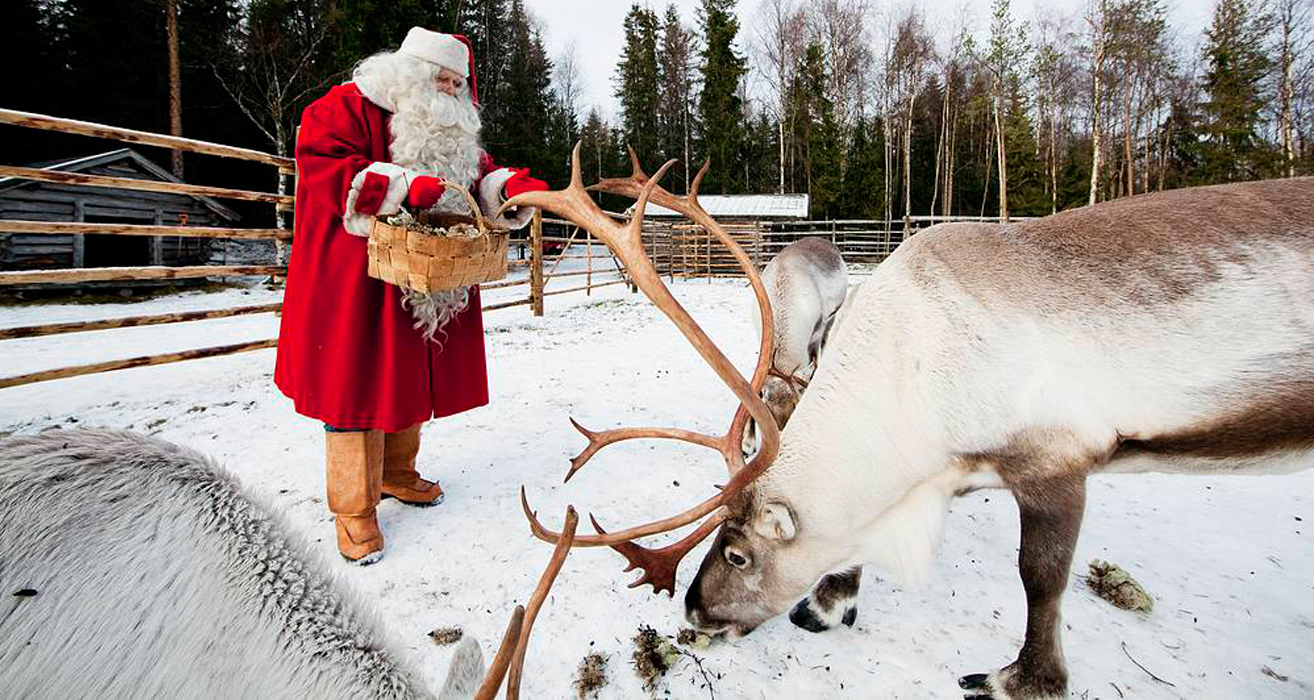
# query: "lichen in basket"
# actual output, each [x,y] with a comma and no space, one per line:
[407,220]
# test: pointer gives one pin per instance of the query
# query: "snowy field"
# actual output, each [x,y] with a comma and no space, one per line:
[1229,560]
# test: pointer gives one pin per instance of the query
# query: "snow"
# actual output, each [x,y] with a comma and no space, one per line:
[1228,559]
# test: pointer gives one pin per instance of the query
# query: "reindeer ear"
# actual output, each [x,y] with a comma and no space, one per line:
[775,522]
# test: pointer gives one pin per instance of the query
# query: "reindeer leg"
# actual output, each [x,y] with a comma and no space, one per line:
[833,601]
[1051,511]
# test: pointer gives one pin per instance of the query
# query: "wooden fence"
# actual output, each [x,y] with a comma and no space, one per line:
[676,249]
[608,272]
[694,252]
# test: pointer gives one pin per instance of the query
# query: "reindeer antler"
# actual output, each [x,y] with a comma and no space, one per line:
[625,241]
[515,641]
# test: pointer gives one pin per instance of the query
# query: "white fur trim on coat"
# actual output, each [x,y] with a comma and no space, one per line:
[399,180]
[492,193]
[441,49]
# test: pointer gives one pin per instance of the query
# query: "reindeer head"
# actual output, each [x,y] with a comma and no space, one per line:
[781,393]
[755,570]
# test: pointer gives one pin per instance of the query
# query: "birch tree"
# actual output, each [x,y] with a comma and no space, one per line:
[1293,18]
[1006,52]
[779,35]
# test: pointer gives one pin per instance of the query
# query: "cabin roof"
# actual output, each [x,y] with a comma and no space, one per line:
[744,206]
[74,165]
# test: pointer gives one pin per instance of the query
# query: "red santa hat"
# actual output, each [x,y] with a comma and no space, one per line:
[451,51]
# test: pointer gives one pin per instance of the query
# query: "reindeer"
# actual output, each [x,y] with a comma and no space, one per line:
[138,568]
[1166,332]
[806,284]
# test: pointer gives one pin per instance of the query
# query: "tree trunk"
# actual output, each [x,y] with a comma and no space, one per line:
[1053,148]
[687,155]
[985,187]
[885,153]
[1288,96]
[1130,177]
[1003,156]
[952,165]
[781,188]
[940,147]
[175,84]
[1097,98]
[907,164]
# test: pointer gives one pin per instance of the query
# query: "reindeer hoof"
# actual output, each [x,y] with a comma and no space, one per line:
[977,686]
[803,616]
[806,616]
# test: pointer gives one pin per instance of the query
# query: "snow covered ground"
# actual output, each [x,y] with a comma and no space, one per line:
[1228,559]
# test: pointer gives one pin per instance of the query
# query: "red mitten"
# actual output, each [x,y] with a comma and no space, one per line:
[521,182]
[425,192]
[372,192]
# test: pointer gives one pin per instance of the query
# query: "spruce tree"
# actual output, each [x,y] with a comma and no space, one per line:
[31,29]
[114,85]
[517,134]
[366,27]
[720,110]
[816,135]
[637,83]
[1026,171]
[675,98]
[861,192]
[487,24]
[1232,111]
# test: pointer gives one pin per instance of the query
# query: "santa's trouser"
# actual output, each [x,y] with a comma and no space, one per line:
[363,467]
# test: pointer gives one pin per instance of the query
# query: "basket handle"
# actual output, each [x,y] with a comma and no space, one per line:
[480,221]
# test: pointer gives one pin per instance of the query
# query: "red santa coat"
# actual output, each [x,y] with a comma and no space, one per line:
[347,352]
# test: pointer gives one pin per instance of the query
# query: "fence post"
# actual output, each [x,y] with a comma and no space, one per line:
[536,263]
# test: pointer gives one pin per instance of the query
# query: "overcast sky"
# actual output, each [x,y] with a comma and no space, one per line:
[596,28]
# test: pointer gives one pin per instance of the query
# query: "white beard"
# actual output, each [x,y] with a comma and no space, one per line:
[433,133]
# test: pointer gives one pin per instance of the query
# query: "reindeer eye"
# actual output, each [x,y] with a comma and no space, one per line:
[735,558]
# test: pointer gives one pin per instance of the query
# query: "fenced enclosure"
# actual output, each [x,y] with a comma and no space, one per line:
[554,257]
[36,231]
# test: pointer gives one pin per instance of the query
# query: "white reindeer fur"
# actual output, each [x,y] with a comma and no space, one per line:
[805,290]
[158,575]
[923,370]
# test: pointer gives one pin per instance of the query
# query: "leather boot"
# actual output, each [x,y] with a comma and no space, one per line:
[400,478]
[355,475]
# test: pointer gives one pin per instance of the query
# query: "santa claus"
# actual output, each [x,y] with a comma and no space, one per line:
[369,360]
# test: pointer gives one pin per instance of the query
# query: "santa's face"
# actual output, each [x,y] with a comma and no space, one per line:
[435,131]
[449,82]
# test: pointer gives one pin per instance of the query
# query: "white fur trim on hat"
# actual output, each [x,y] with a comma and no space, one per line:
[442,49]
[492,193]
[399,180]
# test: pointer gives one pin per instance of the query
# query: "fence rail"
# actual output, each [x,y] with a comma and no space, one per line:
[280,201]
[67,227]
[73,126]
[128,183]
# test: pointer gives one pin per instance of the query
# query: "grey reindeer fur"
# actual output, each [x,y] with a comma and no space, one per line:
[158,575]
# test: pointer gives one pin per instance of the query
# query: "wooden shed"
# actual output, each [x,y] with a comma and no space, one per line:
[30,200]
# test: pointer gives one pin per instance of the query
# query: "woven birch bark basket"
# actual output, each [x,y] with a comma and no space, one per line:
[435,256]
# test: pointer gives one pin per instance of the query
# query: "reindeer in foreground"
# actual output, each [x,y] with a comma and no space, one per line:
[1166,332]
[137,568]
[806,284]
